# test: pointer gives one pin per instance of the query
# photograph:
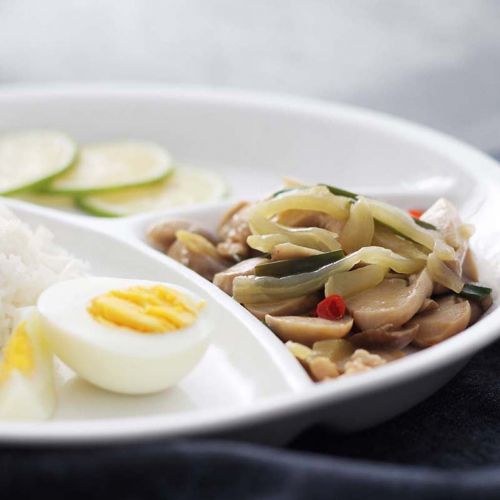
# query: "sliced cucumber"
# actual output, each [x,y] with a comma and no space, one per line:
[59,201]
[109,166]
[29,160]
[186,186]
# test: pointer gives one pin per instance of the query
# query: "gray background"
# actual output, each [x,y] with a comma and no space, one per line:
[433,61]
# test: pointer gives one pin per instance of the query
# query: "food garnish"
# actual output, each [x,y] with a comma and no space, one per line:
[107,179]
[31,160]
[281,268]
[332,307]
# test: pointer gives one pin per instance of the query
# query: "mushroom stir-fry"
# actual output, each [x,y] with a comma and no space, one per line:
[348,282]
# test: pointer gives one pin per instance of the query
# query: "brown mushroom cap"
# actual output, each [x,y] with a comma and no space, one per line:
[201,263]
[224,279]
[287,307]
[428,305]
[385,337]
[393,301]
[451,317]
[476,311]
[308,330]
[469,267]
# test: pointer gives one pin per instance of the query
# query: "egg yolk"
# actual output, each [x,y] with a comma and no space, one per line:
[18,354]
[145,309]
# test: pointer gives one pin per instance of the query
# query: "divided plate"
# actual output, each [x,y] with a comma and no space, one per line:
[248,385]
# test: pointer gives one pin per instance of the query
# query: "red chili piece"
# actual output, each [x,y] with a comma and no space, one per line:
[415,213]
[333,307]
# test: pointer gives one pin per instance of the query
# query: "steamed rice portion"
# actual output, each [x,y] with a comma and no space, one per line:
[30,262]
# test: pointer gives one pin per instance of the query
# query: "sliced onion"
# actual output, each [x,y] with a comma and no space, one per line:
[359,228]
[443,251]
[197,243]
[387,238]
[316,198]
[442,274]
[400,221]
[310,237]
[349,283]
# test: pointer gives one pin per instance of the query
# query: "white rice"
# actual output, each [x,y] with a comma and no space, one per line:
[29,263]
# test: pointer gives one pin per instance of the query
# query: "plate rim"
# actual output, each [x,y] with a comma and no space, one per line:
[453,350]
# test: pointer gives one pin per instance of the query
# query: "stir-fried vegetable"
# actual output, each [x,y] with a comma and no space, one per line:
[310,237]
[387,238]
[280,268]
[196,243]
[341,192]
[315,198]
[262,288]
[425,225]
[333,307]
[442,274]
[400,221]
[475,292]
[344,272]
[350,283]
[359,228]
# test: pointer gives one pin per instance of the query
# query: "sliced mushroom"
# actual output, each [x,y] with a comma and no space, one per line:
[287,307]
[234,231]
[308,330]
[451,317]
[287,251]
[224,279]
[393,301]
[162,234]
[204,264]
[310,218]
[428,305]
[319,366]
[385,337]
[476,311]
[469,267]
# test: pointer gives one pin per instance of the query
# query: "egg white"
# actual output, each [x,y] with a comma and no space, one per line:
[30,396]
[115,358]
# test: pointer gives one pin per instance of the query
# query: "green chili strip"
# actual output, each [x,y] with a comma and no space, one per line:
[340,192]
[425,225]
[281,268]
[475,292]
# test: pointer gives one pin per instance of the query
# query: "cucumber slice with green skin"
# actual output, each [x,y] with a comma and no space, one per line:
[186,186]
[58,201]
[29,160]
[104,167]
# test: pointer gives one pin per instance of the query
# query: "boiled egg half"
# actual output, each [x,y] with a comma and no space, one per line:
[27,389]
[126,336]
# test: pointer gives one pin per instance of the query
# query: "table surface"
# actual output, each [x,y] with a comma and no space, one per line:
[437,63]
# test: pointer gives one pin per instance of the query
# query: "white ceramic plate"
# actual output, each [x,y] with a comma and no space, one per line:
[248,385]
